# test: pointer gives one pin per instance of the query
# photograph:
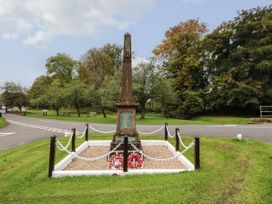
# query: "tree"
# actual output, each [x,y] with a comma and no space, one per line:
[38,90]
[14,95]
[146,82]
[240,62]
[167,97]
[76,95]
[109,93]
[55,96]
[61,67]
[40,102]
[98,63]
[183,54]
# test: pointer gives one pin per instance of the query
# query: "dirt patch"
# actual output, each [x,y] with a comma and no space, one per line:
[102,164]
[260,120]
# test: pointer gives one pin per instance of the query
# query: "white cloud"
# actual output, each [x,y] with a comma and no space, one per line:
[40,36]
[39,20]
[138,60]
[9,36]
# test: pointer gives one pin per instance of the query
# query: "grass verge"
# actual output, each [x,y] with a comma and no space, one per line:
[231,172]
[150,119]
[2,122]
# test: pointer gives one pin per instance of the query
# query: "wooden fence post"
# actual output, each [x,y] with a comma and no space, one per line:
[125,154]
[177,139]
[87,132]
[197,153]
[52,156]
[165,132]
[74,140]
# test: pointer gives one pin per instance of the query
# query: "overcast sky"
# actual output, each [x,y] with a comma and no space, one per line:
[33,30]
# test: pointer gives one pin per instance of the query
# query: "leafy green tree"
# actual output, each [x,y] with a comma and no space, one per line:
[240,64]
[14,95]
[61,67]
[38,90]
[109,93]
[191,104]
[146,83]
[55,96]
[42,101]
[167,97]
[76,95]
[98,63]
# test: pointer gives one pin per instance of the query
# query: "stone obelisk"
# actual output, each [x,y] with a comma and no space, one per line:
[126,108]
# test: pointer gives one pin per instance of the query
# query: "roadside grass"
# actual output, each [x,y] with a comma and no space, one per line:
[150,119]
[231,172]
[2,122]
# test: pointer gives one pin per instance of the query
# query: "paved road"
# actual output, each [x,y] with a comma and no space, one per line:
[23,130]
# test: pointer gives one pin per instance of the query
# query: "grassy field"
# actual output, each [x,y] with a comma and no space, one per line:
[151,118]
[231,172]
[2,122]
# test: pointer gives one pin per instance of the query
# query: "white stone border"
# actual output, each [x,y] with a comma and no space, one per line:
[59,172]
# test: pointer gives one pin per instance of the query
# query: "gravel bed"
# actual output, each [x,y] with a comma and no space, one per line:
[102,164]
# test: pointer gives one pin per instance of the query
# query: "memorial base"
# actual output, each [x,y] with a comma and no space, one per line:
[131,139]
[71,166]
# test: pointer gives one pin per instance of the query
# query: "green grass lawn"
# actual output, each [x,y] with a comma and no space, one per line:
[150,119]
[231,172]
[2,122]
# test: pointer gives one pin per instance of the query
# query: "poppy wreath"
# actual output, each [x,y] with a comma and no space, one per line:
[135,161]
[116,161]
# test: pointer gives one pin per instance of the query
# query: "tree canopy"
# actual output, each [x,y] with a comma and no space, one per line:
[227,70]
[98,63]
[62,67]
[241,62]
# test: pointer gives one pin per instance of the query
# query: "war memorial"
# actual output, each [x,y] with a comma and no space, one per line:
[126,153]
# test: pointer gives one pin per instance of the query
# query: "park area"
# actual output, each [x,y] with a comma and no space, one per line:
[150,118]
[231,171]
[136,102]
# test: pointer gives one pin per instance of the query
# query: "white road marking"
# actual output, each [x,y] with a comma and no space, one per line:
[4,134]
[239,126]
[67,123]
[230,125]
[39,127]
[254,127]
[46,121]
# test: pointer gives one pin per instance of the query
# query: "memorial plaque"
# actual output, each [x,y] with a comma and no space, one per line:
[126,120]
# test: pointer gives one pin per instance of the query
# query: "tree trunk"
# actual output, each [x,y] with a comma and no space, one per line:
[57,110]
[78,110]
[20,107]
[103,111]
[142,109]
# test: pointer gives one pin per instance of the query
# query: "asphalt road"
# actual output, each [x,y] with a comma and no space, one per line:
[22,130]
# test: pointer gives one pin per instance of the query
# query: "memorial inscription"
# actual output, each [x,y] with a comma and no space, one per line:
[126,120]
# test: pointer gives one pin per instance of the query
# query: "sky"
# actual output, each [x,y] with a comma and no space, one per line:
[33,30]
